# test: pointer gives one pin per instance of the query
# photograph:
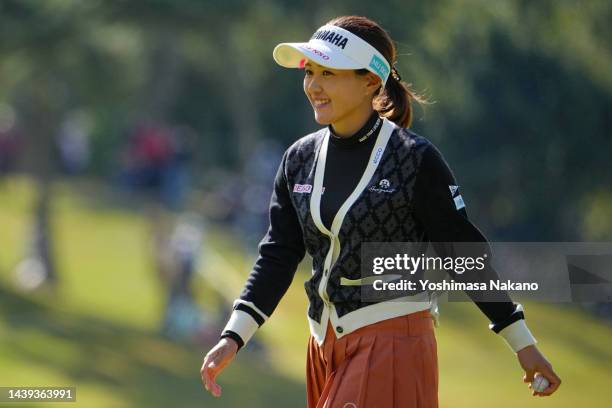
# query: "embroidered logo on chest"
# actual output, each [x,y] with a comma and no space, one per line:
[383,186]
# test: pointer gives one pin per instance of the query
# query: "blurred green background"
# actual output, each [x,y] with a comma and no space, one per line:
[138,141]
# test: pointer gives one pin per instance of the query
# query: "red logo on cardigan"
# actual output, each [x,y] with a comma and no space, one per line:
[302,188]
[305,188]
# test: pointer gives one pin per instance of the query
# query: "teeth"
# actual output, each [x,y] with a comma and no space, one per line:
[319,102]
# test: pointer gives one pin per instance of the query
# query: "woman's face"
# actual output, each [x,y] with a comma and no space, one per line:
[339,97]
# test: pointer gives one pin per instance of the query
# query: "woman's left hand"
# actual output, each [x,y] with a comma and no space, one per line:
[534,362]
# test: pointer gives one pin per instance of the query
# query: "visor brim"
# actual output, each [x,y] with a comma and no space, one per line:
[292,55]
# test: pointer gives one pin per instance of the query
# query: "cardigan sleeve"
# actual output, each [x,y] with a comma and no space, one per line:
[441,209]
[280,252]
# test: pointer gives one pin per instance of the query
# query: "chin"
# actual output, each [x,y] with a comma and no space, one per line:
[322,119]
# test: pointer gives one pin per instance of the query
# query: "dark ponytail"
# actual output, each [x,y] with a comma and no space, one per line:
[394,102]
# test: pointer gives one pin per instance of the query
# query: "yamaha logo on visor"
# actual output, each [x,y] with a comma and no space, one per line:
[331,37]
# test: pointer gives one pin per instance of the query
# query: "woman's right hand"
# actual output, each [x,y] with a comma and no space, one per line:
[215,361]
[534,362]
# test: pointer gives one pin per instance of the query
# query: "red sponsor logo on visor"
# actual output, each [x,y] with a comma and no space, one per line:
[317,52]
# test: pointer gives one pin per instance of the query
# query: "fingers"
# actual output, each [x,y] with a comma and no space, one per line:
[553,380]
[204,373]
[529,373]
[208,372]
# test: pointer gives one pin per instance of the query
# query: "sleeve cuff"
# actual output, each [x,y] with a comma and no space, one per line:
[234,336]
[517,335]
[242,324]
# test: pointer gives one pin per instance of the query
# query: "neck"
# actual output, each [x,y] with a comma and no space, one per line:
[351,125]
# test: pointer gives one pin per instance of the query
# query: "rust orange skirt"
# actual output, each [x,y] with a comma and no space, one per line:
[389,364]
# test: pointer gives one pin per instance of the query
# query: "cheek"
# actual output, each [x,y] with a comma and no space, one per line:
[349,96]
[358,92]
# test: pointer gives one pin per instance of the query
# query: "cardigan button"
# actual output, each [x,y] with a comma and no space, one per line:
[339,329]
[326,272]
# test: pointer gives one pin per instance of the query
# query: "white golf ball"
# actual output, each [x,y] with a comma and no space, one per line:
[539,383]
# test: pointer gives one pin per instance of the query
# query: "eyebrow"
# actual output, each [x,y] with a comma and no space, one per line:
[309,65]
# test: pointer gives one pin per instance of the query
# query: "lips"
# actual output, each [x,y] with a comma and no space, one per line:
[320,103]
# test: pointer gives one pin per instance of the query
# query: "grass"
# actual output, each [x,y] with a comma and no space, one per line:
[98,332]
[115,365]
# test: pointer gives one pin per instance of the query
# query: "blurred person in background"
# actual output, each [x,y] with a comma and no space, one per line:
[73,143]
[147,154]
[156,165]
[363,178]
[182,254]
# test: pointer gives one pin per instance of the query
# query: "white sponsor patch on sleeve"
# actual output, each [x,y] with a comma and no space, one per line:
[459,204]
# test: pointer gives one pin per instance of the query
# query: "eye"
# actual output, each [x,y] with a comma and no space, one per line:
[307,72]
[327,73]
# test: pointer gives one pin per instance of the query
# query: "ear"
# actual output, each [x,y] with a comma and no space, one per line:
[372,83]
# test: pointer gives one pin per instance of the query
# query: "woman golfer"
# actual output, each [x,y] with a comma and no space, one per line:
[363,178]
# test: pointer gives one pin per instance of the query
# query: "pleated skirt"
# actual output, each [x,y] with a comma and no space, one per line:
[389,364]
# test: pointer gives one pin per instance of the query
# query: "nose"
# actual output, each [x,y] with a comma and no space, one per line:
[312,84]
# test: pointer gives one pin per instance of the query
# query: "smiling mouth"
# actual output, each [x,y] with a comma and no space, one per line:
[318,103]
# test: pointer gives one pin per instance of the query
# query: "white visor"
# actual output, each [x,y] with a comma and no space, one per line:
[333,47]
